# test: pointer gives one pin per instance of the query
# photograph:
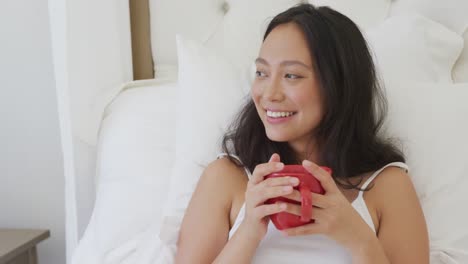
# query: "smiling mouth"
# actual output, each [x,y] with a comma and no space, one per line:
[279,114]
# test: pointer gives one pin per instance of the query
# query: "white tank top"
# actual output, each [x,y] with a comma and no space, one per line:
[307,249]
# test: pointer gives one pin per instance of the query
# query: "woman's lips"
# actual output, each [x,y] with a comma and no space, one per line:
[279,120]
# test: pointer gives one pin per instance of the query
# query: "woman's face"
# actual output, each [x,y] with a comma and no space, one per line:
[286,91]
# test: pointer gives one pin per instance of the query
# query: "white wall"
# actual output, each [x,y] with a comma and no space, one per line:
[92,59]
[47,157]
[31,170]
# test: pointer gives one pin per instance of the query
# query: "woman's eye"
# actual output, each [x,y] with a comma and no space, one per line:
[292,76]
[260,74]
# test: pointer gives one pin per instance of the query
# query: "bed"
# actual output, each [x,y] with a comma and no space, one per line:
[187,52]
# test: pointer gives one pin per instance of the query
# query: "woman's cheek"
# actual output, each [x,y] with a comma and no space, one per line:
[255,92]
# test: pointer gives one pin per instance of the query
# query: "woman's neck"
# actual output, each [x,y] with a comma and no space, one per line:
[306,150]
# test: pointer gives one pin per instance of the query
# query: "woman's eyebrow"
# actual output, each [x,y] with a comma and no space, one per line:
[284,63]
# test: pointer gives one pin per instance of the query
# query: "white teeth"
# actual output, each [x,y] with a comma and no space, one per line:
[279,114]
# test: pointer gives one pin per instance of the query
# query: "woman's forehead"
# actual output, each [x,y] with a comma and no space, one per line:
[286,42]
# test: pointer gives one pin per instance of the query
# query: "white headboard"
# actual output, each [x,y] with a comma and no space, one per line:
[235,27]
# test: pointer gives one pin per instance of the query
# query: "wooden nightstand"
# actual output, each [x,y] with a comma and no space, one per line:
[18,246]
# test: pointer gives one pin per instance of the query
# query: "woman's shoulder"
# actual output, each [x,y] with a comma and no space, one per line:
[226,167]
[392,180]
[230,180]
[392,187]
[399,211]
[226,174]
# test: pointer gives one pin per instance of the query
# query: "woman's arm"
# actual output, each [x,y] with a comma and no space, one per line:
[240,248]
[402,229]
[205,228]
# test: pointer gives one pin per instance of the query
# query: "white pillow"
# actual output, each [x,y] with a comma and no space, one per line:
[365,13]
[432,122]
[450,13]
[210,93]
[240,35]
[460,71]
[135,153]
[414,48]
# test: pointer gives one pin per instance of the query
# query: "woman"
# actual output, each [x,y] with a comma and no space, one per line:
[315,101]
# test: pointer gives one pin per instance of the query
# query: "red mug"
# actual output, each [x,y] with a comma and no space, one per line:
[307,184]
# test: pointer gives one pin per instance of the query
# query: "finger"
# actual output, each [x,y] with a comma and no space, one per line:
[320,200]
[319,215]
[264,169]
[263,194]
[280,181]
[296,209]
[295,196]
[275,158]
[268,209]
[326,180]
[308,229]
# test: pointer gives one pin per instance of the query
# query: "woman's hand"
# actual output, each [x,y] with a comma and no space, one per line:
[259,190]
[334,215]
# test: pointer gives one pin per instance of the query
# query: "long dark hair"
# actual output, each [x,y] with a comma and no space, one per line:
[348,136]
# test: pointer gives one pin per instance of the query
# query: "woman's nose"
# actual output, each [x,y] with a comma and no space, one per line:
[273,91]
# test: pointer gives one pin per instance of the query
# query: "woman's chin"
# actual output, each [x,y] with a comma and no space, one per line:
[277,137]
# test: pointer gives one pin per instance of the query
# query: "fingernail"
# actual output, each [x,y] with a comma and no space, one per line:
[279,166]
[307,163]
[294,180]
[271,157]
